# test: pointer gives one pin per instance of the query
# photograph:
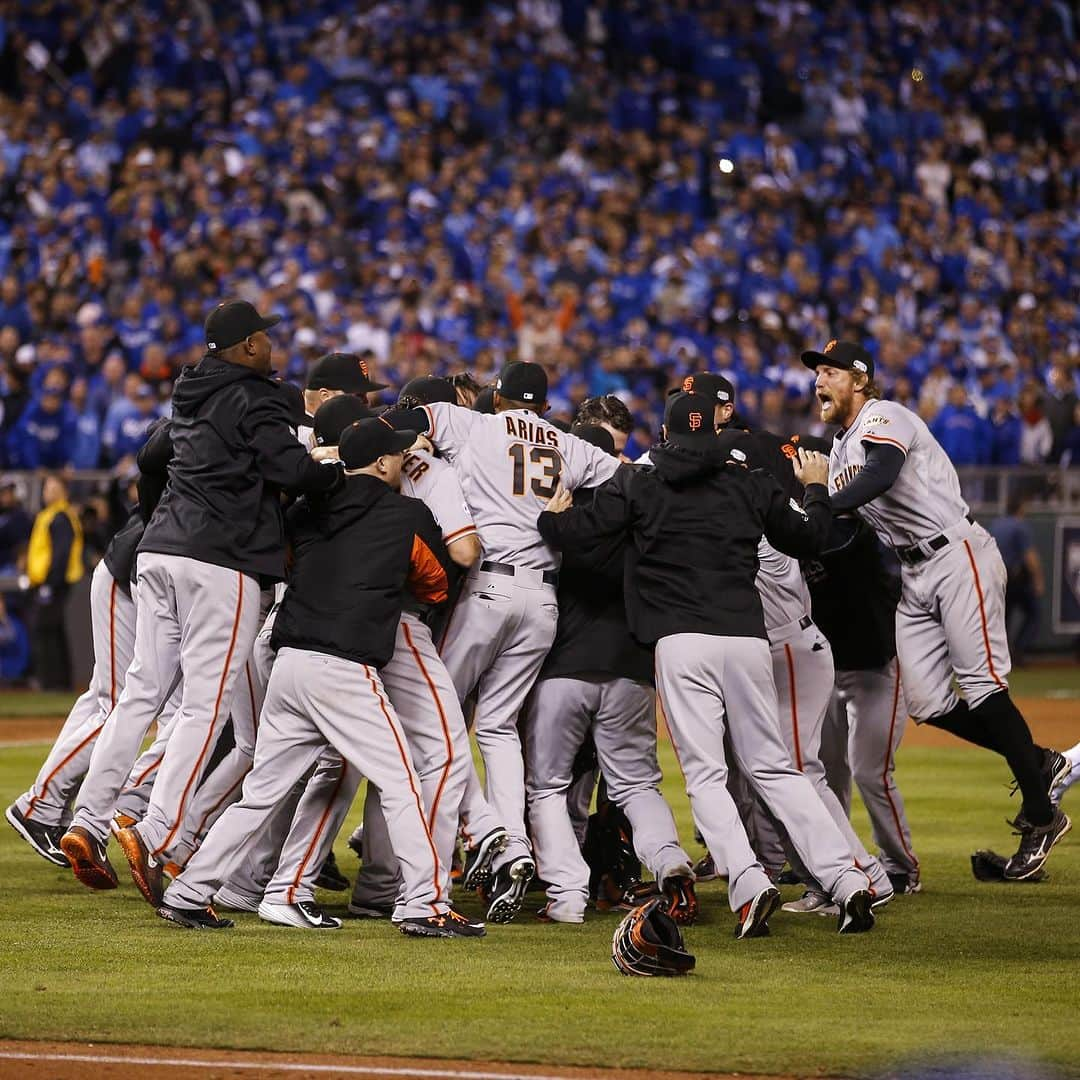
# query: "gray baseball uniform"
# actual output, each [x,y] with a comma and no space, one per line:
[803,672]
[951,617]
[112,620]
[504,622]
[621,714]
[860,737]
[711,687]
[315,700]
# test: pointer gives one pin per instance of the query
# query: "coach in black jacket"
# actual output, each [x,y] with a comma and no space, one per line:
[216,535]
[694,521]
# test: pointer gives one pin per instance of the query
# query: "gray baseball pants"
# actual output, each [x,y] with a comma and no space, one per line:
[803,672]
[710,684]
[622,716]
[862,731]
[314,701]
[495,642]
[112,621]
[202,619]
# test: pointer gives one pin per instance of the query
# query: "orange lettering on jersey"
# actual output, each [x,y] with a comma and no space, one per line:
[523,430]
[695,420]
[511,428]
[415,467]
[552,437]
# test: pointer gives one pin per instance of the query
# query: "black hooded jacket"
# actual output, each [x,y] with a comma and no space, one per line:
[233,454]
[694,521]
[355,551]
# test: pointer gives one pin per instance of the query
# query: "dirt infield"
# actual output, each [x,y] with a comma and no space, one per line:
[102,1061]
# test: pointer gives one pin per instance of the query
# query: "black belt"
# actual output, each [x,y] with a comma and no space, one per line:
[550,577]
[912,556]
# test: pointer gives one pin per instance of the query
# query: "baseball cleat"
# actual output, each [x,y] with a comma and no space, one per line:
[1063,785]
[508,889]
[705,868]
[370,911]
[449,924]
[812,902]
[87,858]
[754,915]
[146,871]
[477,869]
[1055,768]
[304,915]
[193,918]
[856,914]
[678,890]
[237,901]
[787,876]
[881,897]
[330,877]
[1036,843]
[44,839]
[906,884]
[122,821]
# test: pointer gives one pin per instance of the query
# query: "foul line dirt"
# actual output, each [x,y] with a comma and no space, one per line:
[89,1061]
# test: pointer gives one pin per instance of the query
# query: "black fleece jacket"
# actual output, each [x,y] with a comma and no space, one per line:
[694,520]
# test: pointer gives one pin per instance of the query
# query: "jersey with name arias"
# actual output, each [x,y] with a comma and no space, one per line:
[434,483]
[509,466]
[924,499]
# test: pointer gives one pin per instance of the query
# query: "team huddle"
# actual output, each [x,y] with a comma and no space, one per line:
[311,593]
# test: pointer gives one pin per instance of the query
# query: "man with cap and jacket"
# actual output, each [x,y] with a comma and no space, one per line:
[597,680]
[509,464]
[215,537]
[335,629]
[334,374]
[950,622]
[694,522]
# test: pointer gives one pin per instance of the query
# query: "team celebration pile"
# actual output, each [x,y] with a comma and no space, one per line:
[686,318]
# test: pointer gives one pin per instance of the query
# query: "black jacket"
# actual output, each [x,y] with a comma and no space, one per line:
[694,521]
[592,636]
[853,597]
[355,551]
[233,454]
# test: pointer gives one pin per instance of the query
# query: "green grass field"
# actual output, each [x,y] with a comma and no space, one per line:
[963,968]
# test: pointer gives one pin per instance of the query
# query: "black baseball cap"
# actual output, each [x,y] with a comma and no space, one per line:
[429,389]
[689,420]
[334,416]
[595,434]
[711,386]
[521,380]
[232,321]
[342,371]
[485,400]
[841,354]
[367,440]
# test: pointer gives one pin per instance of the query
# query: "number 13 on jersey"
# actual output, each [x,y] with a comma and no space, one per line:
[546,478]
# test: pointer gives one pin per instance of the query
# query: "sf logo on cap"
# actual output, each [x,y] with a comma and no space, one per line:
[829,348]
[688,384]
[695,420]
[363,368]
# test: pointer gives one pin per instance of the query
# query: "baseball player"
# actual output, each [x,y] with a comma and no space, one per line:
[950,622]
[1072,757]
[596,679]
[336,627]
[41,815]
[504,621]
[215,533]
[695,520]
[854,598]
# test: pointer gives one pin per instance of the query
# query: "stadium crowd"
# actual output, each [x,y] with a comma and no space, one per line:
[624,192]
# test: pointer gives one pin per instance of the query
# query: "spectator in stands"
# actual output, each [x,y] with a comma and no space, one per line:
[1036,436]
[44,437]
[1070,453]
[1060,404]
[87,450]
[15,526]
[961,431]
[128,420]
[54,562]
[1024,584]
[1006,429]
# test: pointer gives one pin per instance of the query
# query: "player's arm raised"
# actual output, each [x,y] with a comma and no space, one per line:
[799,533]
[563,525]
